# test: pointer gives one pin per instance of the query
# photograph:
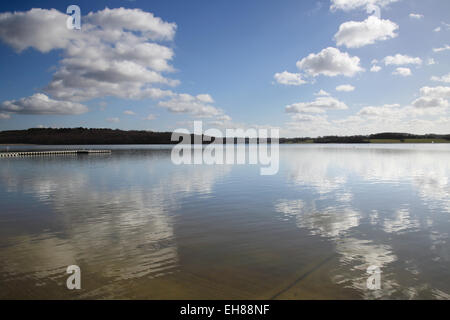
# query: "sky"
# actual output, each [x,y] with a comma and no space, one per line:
[309,68]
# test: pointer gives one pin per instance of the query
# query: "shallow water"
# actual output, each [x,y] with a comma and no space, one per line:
[141,227]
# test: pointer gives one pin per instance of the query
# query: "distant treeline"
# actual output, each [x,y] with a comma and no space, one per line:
[109,136]
[81,136]
[402,137]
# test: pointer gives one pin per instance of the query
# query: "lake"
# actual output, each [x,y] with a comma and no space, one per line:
[140,227]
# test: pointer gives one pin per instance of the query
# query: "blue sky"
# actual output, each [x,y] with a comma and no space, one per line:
[228,63]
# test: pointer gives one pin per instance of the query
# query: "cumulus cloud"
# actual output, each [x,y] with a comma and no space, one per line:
[320,105]
[420,107]
[199,105]
[444,78]
[348,5]
[384,111]
[40,103]
[330,62]
[46,30]
[436,92]
[416,16]
[345,88]
[400,59]
[206,98]
[290,79]
[430,102]
[115,53]
[433,103]
[133,19]
[129,113]
[4,115]
[404,72]
[356,34]
[41,29]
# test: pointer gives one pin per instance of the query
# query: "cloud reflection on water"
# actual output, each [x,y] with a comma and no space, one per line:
[120,231]
[363,198]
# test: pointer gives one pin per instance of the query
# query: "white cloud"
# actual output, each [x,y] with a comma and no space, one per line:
[40,103]
[430,102]
[129,113]
[385,111]
[400,59]
[290,79]
[206,98]
[356,34]
[438,29]
[404,72]
[420,107]
[330,62]
[348,5]
[4,115]
[185,103]
[375,69]
[133,19]
[444,48]
[396,118]
[436,92]
[115,53]
[433,103]
[320,105]
[431,62]
[416,16]
[444,78]
[42,29]
[113,120]
[345,88]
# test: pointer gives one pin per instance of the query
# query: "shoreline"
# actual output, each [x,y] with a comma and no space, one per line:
[174,144]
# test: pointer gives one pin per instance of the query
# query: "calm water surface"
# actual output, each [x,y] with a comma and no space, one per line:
[140,227]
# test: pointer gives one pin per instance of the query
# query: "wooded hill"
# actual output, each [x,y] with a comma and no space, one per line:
[75,136]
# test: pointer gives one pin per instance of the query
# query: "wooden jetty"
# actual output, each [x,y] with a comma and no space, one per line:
[49,153]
